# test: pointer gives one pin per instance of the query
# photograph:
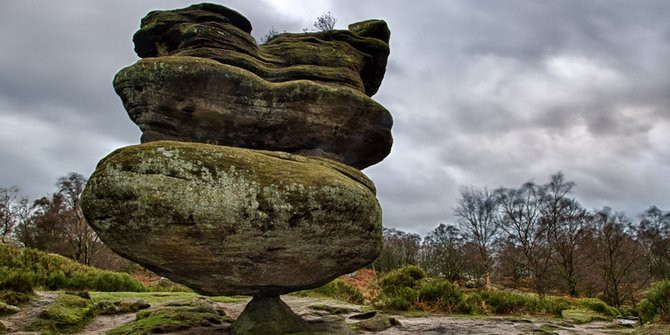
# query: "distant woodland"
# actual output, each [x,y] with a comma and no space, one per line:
[534,237]
[539,238]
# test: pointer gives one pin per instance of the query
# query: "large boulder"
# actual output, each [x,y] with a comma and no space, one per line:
[225,220]
[201,100]
[205,79]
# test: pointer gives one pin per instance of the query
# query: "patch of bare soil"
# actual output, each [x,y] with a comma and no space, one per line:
[28,313]
[101,324]
[304,306]
[460,325]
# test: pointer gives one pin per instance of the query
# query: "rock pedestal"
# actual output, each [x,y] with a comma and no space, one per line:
[269,315]
[247,180]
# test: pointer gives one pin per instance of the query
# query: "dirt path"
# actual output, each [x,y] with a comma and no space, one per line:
[429,325]
[434,325]
[101,324]
[29,313]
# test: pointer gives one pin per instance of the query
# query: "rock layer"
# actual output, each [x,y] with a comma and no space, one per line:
[205,79]
[200,100]
[356,57]
[227,220]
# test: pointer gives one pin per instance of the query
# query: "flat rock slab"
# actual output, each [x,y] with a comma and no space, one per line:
[356,57]
[194,99]
[227,221]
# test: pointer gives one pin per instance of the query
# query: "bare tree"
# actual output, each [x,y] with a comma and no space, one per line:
[521,220]
[400,249]
[270,34]
[442,253]
[619,257]
[653,232]
[566,223]
[83,240]
[13,210]
[325,22]
[477,214]
[44,228]
[57,223]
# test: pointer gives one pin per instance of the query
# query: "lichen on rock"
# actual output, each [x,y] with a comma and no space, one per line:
[204,79]
[247,181]
[227,220]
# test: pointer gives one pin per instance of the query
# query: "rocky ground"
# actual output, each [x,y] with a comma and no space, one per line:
[317,310]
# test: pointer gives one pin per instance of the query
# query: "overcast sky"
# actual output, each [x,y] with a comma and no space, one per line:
[485,93]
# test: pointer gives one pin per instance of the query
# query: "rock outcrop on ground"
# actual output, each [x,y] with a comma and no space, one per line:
[247,181]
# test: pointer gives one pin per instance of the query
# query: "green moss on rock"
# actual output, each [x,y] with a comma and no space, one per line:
[68,313]
[175,316]
[200,100]
[231,221]
[359,54]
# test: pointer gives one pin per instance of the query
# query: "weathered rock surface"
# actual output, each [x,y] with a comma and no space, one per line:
[206,80]
[268,315]
[200,100]
[356,57]
[227,220]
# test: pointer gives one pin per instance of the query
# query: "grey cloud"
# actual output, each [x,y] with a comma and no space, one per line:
[489,93]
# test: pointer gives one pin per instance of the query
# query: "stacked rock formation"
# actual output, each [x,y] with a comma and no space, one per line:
[247,180]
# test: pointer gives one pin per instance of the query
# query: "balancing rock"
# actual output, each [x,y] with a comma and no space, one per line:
[225,220]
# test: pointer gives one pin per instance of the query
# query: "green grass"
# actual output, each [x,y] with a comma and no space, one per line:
[598,305]
[509,302]
[400,289]
[156,298]
[173,310]
[173,316]
[67,314]
[652,329]
[656,304]
[581,316]
[407,289]
[22,269]
[336,289]
[15,298]
[6,309]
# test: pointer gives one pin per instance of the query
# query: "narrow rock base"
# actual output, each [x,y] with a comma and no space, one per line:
[268,315]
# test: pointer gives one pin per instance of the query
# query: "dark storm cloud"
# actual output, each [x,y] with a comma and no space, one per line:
[58,110]
[499,92]
[488,93]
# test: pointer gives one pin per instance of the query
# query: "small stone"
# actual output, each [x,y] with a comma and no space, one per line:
[378,323]
[121,306]
[6,309]
[364,316]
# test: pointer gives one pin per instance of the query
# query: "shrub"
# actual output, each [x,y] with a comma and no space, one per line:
[14,298]
[598,305]
[23,269]
[166,285]
[443,295]
[656,305]
[55,280]
[340,289]
[402,299]
[407,276]
[474,304]
[504,302]
[399,288]
[17,281]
